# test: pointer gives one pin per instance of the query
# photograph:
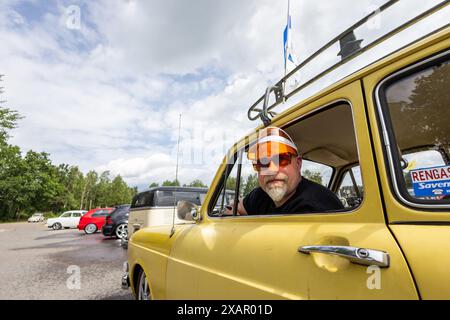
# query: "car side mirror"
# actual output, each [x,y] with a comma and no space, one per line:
[188,211]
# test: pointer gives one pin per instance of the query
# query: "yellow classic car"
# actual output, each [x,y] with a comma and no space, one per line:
[379,139]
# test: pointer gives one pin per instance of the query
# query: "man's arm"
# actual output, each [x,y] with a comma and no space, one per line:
[240,209]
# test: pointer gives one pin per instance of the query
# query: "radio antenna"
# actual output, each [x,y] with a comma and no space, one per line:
[176,179]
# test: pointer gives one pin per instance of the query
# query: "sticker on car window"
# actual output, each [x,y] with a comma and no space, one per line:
[431,182]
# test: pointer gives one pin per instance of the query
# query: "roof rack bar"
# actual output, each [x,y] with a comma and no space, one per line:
[262,113]
[370,46]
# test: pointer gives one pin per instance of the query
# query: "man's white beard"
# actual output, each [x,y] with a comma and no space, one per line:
[277,193]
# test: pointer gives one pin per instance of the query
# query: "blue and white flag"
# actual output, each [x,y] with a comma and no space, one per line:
[290,62]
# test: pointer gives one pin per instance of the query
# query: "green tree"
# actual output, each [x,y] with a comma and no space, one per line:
[153,185]
[120,192]
[231,183]
[103,190]
[88,194]
[13,195]
[313,176]
[11,181]
[42,183]
[250,184]
[8,121]
[75,187]
[174,183]
[197,183]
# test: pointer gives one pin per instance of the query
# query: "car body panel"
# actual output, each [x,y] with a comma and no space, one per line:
[260,260]
[155,216]
[150,249]
[427,248]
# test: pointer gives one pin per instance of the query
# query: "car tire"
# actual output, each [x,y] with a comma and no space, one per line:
[57,226]
[143,289]
[122,231]
[90,228]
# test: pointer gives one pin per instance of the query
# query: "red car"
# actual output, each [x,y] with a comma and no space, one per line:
[94,220]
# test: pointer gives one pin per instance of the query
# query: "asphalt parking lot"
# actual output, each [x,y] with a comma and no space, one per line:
[40,263]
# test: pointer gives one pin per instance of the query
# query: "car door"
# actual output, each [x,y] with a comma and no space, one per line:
[98,218]
[409,112]
[272,257]
[75,219]
[65,219]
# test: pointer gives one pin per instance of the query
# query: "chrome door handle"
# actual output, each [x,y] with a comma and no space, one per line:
[367,257]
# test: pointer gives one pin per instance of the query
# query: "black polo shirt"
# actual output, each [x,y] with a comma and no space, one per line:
[309,197]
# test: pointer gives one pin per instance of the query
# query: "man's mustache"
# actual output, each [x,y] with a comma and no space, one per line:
[279,177]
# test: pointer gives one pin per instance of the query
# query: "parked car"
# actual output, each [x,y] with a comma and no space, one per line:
[93,220]
[156,206]
[68,219]
[36,217]
[116,224]
[371,138]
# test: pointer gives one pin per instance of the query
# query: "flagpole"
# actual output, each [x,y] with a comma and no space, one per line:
[176,177]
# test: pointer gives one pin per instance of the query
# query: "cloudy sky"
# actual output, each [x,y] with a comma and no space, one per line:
[105,91]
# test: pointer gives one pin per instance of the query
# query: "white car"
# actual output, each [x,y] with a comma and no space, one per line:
[155,207]
[68,219]
[36,217]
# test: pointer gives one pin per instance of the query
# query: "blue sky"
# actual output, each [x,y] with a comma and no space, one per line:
[108,95]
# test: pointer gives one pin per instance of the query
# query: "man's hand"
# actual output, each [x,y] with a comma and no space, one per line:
[240,210]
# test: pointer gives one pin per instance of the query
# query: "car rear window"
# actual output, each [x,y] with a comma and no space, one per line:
[119,211]
[101,213]
[143,199]
[415,108]
[171,198]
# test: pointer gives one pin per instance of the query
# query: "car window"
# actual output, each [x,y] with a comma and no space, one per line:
[323,153]
[76,214]
[225,197]
[99,213]
[169,198]
[120,211]
[66,215]
[415,106]
[350,190]
[143,199]
[317,172]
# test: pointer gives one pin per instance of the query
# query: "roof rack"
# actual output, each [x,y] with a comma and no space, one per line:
[350,49]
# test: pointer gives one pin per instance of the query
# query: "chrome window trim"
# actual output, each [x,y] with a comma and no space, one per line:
[385,135]
[151,208]
[332,180]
